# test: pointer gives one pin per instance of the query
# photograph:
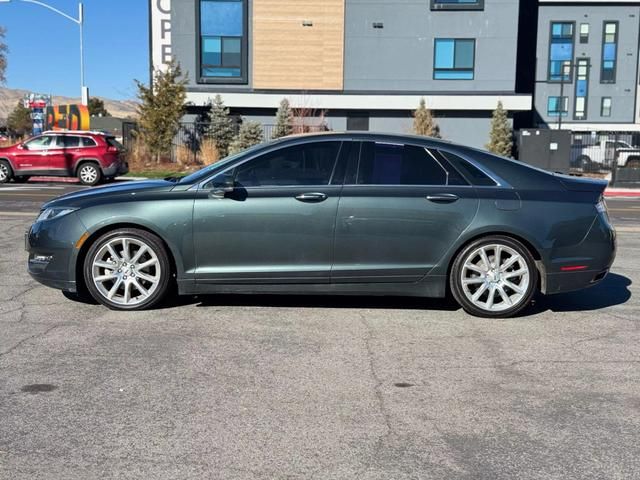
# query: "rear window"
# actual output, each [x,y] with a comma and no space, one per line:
[114,143]
[470,172]
[88,142]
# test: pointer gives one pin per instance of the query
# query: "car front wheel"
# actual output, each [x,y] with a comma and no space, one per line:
[127,269]
[494,277]
[89,174]
[5,171]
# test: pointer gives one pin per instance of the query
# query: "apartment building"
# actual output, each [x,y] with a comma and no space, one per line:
[367,63]
[587,65]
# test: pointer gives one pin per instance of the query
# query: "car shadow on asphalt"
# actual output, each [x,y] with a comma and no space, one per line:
[613,290]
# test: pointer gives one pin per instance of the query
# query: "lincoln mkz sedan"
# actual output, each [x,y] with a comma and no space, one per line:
[343,214]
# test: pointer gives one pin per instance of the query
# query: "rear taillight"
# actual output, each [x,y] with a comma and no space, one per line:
[113,150]
[601,206]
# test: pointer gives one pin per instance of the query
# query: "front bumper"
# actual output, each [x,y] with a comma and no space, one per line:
[52,252]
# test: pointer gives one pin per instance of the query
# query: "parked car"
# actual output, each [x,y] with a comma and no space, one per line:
[347,214]
[602,154]
[91,156]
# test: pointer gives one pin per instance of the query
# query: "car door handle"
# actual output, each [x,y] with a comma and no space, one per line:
[311,197]
[442,198]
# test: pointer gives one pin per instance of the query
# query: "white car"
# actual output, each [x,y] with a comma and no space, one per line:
[601,154]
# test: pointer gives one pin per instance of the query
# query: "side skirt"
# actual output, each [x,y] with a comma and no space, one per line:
[433,286]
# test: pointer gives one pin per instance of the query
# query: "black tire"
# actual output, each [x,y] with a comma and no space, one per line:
[89,174]
[21,179]
[585,163]
[152,242]
[633,162]
[6,172]
[469,253]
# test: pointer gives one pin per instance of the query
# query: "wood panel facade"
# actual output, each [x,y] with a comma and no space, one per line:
[298,44]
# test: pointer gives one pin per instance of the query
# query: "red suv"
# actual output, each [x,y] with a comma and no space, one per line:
[91,156]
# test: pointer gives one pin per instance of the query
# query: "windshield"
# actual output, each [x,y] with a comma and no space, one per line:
[202,174]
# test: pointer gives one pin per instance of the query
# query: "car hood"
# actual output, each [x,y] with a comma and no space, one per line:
[74,198]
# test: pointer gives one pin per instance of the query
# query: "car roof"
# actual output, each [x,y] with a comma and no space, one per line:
[370,136]
[77,132]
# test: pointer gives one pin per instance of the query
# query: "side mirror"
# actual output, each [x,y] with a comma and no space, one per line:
[220,189]
[22,146]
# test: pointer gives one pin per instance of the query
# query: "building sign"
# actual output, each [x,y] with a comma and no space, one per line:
[37,103]
[160,14]
[67,117]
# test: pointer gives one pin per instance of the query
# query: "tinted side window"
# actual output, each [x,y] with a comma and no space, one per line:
[67,141]
[387,164]
[310,164]
[88,142]
[471,173]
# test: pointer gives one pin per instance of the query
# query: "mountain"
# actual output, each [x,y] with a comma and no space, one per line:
[118,108]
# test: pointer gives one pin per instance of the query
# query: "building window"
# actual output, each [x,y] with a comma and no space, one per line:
[223,41]
[609,52]
[582,88]
[584,33]
[557,106]
[560,51]
[454,59]
[457,4]
[605,107]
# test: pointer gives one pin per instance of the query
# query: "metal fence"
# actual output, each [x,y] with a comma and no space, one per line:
[602,152]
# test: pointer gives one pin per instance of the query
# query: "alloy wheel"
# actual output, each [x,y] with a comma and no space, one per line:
[88,174]
[495,278]
[126,271]
[4,172]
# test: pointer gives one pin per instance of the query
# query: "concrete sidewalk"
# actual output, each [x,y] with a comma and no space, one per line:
[622,193]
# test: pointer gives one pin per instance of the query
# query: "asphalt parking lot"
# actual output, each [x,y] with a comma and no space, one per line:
[260,387]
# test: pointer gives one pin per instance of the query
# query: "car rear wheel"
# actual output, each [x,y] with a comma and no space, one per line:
[494,277]
[127,269]
[89,174]
[5,171]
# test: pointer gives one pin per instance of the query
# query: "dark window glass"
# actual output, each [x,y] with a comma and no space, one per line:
[453,176]
[222,30]
[582,89]
[584,33]
[561,51]
[310,164]
[386,164]
[609,52]
[472,173]
[88,142]
[453,59]
[67,141]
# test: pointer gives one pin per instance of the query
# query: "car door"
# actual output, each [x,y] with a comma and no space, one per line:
[32,155]
[62,158]
[400,210]
[275,224]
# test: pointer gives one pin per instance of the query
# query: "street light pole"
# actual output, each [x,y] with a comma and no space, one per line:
[84,92]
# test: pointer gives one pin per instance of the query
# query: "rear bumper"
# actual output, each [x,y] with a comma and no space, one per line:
[115,169]
[596,252]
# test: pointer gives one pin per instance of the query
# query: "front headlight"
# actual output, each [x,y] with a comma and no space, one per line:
[54,212]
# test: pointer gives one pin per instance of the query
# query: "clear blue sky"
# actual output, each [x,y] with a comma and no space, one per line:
[44,47]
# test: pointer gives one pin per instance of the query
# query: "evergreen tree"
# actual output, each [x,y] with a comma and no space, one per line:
[96,108]
[161,108]
[501,135]
[3,55]
[284,120]
[222,128]
[19,121]
[250,134]
[423,122]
